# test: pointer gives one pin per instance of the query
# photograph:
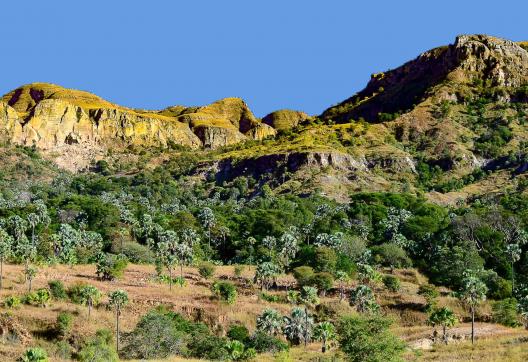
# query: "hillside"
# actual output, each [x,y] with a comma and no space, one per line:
[393,226]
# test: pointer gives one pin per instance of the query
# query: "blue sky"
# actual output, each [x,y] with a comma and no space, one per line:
[297,54]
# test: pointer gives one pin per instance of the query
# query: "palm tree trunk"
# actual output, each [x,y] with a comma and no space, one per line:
[323,348]
[170,278]
[117,329]
[89,307]
[1,272]
[445,334]
[472,325]
[513,278]
[30,280]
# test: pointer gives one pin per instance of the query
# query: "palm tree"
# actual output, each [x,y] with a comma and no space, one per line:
[6,250]
[324,332]
[472,293]
[33,221]
[269,242]
[342,278]
[444,317]
[363,298]
[514,254]
[298,326]
[270,322]
[118,300]
[30,272]
[184,253]
[265,273]
[208,220]
[90,297]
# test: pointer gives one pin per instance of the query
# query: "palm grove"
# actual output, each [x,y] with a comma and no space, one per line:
[346,251]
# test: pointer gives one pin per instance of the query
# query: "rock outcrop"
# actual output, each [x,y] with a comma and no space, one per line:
[285,119]
[51,117]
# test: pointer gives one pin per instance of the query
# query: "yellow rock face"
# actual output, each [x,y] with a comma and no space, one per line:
[51,117]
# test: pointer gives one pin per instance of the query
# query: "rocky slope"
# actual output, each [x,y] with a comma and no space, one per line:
[51,117]
[451,122]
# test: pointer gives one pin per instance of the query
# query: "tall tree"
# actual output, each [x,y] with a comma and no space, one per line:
[472,293]
[118,299]
[513,251]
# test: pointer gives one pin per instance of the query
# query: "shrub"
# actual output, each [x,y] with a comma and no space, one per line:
[225,291]
[368,339]
[207,346]
[57,289]
[34,354]
[431,294]
[265,343]
[99,348]
[111,267]
[505,312]
[272,298]
[322,281]
[206,269]
[137,253]
[238,332]
[75,293]
[391,255]
[303,275]
[64,324]
[238,270]
[155,336]
[12,301]
[391,282]
[39,297]
[325,259]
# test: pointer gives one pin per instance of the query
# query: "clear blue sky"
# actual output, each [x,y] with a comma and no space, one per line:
[298,54]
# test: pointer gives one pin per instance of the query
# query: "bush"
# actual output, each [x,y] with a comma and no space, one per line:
[64,324]
[325,260]
[322,281]
[34,354]
[209,347]
[391,255]
[238,270]
[391,282]
[264,343]
[75,293]
[12,301]
[137,253]
[111,267]
[303,275]
[99,348]
[206,269]
[155,336]
[368,339]
[39,297]
[57,289]
[225,291]
[505,312]
[238,332]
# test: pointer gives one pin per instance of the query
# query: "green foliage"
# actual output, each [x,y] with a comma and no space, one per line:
[270,322]
[325,260]
[368,339]
[57,289]
[322,281]
[391,255]
[505,312]
[206,269]
[238,332]
[34,354]
[64,324]
[303,275]
[431,294]
[265,343]
[392,283]
[111,267]
[12,302]
[363,299]
[225,291]
[39,297]
[98,349]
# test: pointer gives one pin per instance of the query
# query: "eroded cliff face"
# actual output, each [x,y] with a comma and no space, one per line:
[51,118]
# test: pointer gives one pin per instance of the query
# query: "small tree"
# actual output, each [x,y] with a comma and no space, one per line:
[206,269]
[270,322]
[90,296]
[342,278]
[443,317]
[472,293]
[6,250]
[363,299]
[513,251]
[266,273]
[35,354]
[225,291]
[324,332]
[31,272]
[298,326]
[118,299]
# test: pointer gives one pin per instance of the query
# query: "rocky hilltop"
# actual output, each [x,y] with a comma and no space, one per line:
[50,117]
[452,123]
